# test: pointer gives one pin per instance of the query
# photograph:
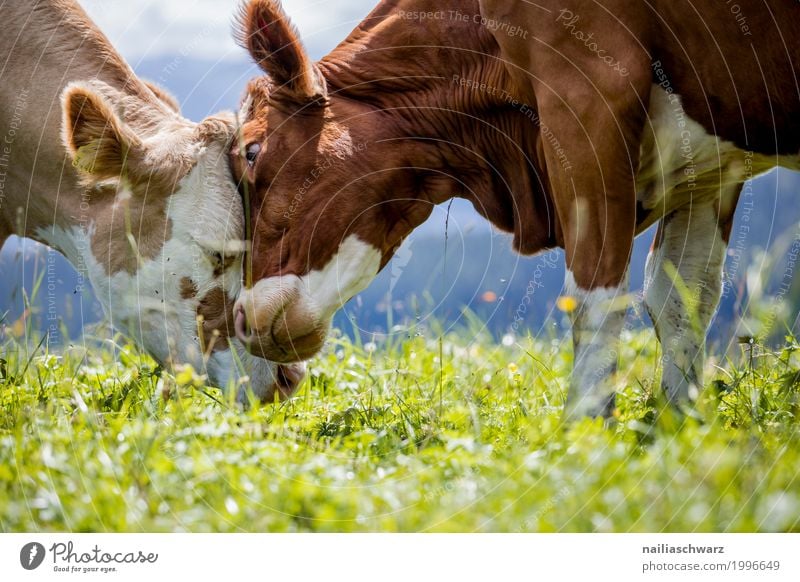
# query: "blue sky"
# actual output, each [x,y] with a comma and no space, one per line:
[202,28]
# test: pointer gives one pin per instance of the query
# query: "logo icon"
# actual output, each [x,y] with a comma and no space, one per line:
[32,555]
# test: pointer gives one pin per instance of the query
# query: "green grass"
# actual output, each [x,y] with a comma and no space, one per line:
[395,439]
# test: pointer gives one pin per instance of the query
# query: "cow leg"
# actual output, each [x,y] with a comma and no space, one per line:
[597,213]
[595,202]
[683,281]
[597,323]
[596,208]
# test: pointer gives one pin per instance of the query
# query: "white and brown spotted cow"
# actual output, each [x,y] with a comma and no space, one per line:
[142,201]
[570,124]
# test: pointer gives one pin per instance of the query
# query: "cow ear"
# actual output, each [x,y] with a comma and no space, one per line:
[164,96]
[266,32]
[100,144]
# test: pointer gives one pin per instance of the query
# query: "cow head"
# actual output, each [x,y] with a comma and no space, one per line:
[331,187]
[161,232]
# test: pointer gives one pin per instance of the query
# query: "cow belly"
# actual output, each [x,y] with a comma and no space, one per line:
[681,163]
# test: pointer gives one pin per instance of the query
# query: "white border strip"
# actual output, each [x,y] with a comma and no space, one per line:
[423,557]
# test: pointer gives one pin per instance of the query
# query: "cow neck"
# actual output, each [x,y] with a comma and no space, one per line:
[443,83]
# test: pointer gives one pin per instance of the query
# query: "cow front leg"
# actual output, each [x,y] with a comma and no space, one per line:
[591,121]
[597,321]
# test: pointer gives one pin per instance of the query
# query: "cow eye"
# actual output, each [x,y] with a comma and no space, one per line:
[251,153]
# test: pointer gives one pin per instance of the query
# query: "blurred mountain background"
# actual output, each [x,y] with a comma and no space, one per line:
[456,261]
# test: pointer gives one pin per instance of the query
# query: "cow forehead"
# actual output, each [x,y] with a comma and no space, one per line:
[132,222]
[254,130]
[128,228]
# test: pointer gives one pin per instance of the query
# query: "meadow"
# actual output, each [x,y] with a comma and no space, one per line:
[430,431]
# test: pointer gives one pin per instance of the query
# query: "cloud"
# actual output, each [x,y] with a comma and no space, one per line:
[201,29]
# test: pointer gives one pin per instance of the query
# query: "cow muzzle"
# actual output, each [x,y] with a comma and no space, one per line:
[288,378]
[278,321]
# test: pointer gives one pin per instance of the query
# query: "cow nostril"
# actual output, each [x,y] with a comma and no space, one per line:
[242,329]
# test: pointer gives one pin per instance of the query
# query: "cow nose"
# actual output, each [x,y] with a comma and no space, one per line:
[289,378]
[240,324]
[277,321]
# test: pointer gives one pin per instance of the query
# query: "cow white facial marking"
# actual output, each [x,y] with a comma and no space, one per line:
[349,272]
[596,326]
[309,301]
[322,291]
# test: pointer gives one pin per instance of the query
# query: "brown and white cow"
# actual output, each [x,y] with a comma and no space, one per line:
[142,203]
[570,124]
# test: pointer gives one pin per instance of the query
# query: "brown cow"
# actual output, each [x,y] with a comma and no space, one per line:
[570,124]
[141,201]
